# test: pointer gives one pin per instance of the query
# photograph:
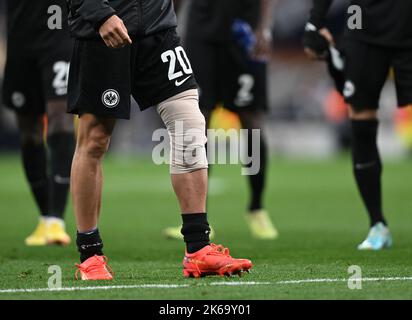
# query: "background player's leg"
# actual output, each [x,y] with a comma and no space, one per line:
[86,180]
[250,121]
[34,156]
[259,221]
[61,143]
[367,164]
[367,168]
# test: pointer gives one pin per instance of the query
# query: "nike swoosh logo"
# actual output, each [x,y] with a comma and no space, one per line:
[179,83]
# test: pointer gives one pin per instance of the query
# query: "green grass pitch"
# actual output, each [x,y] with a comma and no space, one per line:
[313,203]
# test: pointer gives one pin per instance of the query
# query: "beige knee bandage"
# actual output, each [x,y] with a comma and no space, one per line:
[187,130]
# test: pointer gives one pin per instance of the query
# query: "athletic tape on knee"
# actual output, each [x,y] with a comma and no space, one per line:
[186,126]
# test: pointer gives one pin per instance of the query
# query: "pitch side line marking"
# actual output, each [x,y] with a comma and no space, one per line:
[141,286]
[178,286]
[243,283]
[344,280]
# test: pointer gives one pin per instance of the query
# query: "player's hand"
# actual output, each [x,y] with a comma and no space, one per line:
[316,55]
[114,33]
[263,47]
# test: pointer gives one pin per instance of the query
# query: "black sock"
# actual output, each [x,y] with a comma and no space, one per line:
[61,149]
[257,181]
[89,244]
[35,167]
[367,166]
[195,231]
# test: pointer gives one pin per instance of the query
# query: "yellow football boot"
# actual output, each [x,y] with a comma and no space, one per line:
[38,237]
[56,233]
[261,226]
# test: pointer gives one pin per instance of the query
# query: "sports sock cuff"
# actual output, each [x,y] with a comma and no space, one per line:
[195,231]
[89,244]
[95,229]
[194,217]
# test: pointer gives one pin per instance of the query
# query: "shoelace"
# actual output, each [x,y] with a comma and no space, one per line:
[92,267]
[219,250]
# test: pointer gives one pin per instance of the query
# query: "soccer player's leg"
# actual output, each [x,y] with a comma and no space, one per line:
[99,92]
[86,185]
[61,143]
[22,93]
[203,58]
[186,126]
[367,168]
[363,98]
[179,110]
[54,66]
[34,157]
[257,217]
[245,93]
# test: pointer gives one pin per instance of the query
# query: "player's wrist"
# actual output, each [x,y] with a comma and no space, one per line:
[103,20]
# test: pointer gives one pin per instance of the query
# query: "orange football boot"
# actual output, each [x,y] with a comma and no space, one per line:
[213,260]
[94,268]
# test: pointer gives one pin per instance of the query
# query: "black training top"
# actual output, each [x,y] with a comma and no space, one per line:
[27,24]
[212,19]
[384,22]
[141,17]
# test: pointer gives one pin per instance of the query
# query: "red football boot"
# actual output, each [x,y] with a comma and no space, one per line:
[213,260]
[94,268]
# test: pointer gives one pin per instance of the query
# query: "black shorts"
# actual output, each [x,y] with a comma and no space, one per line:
[226,76]
[366,70]
[152,69]
[33,78]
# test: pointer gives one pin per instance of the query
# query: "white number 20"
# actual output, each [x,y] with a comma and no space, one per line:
[171,57]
